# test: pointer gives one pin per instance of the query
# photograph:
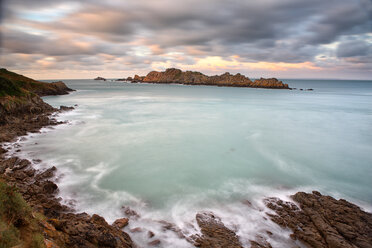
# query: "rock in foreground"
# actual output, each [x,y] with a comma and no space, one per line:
[214,233]
[177,76]
[322,221]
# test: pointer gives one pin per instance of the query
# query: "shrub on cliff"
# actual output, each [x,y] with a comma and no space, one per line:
[18,226]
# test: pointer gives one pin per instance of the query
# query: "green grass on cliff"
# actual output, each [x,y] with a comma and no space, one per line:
[13,84]
[18,226]
[9,88]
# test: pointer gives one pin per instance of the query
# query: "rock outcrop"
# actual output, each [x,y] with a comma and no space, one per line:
[177,76]
[322,221]
[62,227]
[214,233]
[100,78]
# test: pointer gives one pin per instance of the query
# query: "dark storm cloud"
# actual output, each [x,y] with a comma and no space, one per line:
[19,42]
[292,31]
[353,49]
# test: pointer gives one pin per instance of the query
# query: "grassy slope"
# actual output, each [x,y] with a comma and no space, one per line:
[18,224]
[13,84]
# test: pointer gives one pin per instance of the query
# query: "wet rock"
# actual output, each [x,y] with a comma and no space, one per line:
[214,233]
[260,242]
[322,221]
[49,187]
[65,108]
[100,78]
[129,212]
[247,203]
[121,223]
[48,173]
[136,230]
[155,242]
[20,164]
[150,234]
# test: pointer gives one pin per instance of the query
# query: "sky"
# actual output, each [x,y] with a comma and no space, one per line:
[64,39]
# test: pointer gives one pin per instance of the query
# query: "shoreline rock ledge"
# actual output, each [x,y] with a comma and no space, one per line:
[176,76]
[323,222]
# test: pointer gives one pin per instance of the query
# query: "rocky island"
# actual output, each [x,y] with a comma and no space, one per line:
[100,78]
[31,214]
[176,76]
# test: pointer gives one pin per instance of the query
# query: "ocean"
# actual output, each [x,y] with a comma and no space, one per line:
[170,151]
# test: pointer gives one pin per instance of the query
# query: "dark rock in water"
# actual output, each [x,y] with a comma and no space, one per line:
[136,230]
[155,242]
[262,243]
[65,108]
[150,234]
[47,174]
[214,233]
[129,212]
[167,226]
[100,78]
[120,223]
[309,89]
[322,221]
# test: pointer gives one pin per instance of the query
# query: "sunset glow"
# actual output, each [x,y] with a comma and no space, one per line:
[63,39]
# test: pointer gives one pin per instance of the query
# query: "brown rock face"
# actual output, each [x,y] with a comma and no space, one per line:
[174,75]
[322,221]
[214,233]
[120,223]
[269,83]
[138,78]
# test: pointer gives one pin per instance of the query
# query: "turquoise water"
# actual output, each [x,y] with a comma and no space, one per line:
[169,151]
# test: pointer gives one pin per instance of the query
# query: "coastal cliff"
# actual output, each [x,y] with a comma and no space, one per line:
[31,215]
[176,76]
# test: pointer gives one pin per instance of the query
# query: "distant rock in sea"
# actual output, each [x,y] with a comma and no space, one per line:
[100,78]
[176,76]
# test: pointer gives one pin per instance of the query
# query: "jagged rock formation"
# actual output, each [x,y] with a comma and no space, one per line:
[62,227]
[322,221]
[214,233]
[177,76]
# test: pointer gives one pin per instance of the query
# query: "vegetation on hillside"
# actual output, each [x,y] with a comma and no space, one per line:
[13,84]
[19,226]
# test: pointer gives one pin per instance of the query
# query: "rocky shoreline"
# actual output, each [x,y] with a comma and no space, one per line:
[314,220]
[22,111]
[176,76]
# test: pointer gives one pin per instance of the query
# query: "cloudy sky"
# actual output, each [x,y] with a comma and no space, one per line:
[61,39]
